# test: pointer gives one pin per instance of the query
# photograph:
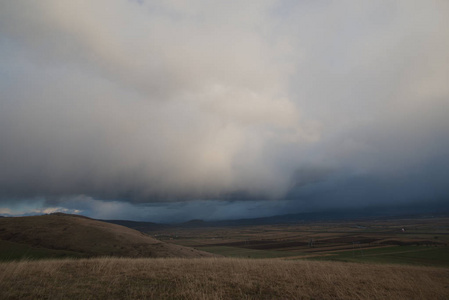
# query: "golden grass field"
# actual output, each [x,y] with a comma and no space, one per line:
[217,278]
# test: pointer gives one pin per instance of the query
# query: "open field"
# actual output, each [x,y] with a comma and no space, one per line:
[424,241]
[346,260]
[217,278]
[412,255]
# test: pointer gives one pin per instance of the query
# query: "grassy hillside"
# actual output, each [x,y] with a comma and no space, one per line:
[217,278]
[61,235]
[17,251]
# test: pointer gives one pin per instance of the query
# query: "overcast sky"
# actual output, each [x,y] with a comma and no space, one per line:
[170,110]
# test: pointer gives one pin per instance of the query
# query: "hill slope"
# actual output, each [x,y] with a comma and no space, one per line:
[86,237]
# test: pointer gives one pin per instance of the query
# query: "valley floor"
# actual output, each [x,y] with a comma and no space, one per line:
[217,278]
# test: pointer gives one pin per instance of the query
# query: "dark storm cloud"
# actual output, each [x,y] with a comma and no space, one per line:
[155,109]
[319,104]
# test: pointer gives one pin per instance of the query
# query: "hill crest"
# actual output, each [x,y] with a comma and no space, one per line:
[88,237]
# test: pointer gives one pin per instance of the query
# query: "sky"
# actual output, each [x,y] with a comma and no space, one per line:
[171,110]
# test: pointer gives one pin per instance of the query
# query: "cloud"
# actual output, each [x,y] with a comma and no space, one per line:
[173,212]
[120,99]
[148,101]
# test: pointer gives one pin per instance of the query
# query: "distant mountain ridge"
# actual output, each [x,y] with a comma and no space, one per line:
[278,219]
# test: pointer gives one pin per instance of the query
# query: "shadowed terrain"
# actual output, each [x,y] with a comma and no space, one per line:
[416,240]
[60,235]
[169,275]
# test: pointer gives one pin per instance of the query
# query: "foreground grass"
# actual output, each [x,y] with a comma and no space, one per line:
[217,278]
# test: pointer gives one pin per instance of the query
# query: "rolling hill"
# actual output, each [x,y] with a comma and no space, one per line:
[59,235]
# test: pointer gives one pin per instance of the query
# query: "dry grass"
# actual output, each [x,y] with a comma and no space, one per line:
[87,237]
[217,278]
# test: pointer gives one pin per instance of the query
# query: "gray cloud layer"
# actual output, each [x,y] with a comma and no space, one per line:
[328,104]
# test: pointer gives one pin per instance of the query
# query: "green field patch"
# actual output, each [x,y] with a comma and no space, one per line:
[247,253]
[410,255]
